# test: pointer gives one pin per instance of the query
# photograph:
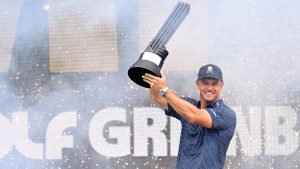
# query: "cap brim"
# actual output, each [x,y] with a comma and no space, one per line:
[214,77]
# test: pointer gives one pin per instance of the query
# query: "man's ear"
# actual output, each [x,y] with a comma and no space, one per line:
[198,84]
[222,84]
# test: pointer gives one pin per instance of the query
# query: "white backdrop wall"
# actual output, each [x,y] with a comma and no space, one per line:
[66,100]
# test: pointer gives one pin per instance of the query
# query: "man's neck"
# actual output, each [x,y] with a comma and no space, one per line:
[204,103]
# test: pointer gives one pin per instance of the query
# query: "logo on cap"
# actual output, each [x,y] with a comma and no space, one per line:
[209,69]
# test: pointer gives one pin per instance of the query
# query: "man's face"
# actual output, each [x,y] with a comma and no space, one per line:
[210,89]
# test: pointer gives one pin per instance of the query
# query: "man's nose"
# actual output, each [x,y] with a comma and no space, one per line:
[209,86]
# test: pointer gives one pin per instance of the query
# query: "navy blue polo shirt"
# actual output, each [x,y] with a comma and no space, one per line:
[204,148]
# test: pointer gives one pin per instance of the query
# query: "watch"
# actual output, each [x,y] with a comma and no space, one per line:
[163,91]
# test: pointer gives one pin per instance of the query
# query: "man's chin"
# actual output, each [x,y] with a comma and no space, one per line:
[210,99]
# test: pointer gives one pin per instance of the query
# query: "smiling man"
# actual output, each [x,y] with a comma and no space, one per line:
[208,124]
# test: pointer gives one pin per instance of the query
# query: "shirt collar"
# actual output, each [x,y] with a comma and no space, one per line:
[214,104]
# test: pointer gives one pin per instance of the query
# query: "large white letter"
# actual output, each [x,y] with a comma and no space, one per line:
[96,131]
[7,136]
[233,143]
[55,141]
[23,144]
[175,130]
[149,123]
[280,137]
[249,131]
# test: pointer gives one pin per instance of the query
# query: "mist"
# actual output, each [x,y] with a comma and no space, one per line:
[74,57]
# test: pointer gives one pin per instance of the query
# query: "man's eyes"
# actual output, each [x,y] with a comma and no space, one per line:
[213,84]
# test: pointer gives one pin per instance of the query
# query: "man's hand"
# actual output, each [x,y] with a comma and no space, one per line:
[156,83]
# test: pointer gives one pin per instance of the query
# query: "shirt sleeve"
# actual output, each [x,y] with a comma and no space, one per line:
[222,117]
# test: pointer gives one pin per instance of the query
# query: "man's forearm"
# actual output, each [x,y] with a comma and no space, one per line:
[162,102]
[188,110]
[154,95]
[181,106]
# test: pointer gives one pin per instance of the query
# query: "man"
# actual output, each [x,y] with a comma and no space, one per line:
[208,125]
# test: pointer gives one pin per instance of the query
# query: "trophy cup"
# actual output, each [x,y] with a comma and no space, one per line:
[152,59]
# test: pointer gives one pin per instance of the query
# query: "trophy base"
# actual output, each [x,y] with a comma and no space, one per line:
[137,70]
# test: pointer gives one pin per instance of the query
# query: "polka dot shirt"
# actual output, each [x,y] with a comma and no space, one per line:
[204,148]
